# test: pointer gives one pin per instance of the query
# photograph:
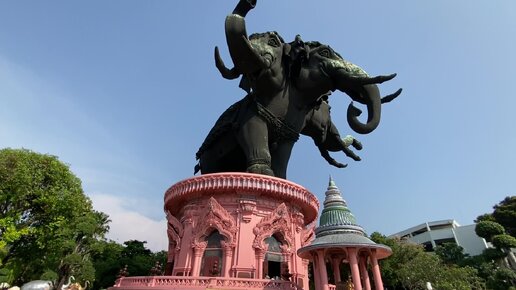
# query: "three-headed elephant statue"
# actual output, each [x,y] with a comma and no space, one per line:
[284,83]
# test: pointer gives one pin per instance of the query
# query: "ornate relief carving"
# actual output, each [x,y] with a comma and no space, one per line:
[214,216]
[299,220]
[174,230]
[188,213]
[278,221]
[307,234]
[183,191]
[247,208]
[199,248]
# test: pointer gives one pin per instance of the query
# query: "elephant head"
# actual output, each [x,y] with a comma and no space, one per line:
[257,58]
[319,126]
[324,68]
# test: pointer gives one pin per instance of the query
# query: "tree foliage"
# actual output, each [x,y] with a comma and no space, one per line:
[488,229]
[494,265]
[503,213]
[410,267]
[47,225]
[450,253]
[504,241]
[107,264]
[113,257]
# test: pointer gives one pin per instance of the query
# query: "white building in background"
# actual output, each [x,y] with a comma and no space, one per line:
[432,234]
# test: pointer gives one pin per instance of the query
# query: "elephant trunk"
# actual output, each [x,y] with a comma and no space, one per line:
[361,88]
[371,96]
[244,56]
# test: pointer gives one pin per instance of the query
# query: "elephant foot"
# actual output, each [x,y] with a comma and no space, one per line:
[260,167]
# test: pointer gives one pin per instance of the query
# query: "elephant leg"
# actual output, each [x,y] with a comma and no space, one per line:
[223,156]
[280,157]
[254,141]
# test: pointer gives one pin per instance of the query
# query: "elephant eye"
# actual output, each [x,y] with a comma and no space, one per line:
[325,52]
[273,42]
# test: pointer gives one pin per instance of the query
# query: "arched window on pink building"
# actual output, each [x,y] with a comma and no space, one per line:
[273,260]
[211,265]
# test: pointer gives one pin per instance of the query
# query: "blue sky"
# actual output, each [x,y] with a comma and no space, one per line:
[126,91]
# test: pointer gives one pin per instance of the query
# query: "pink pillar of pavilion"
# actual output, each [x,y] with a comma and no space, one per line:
[339,234]
[336,270]
[323,275]
[353,264]
[362,262]
[376,271]
[317,275]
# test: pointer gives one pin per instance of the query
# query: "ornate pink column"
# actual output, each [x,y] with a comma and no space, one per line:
[353,264]
[376,271]
[306,282]
[364,273]
[260,254]
[322,270]
[286,252]
[336,270]
[315,268]
[198,250]
[228,255]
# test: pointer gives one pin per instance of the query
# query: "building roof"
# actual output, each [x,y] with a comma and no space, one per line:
[338,227]
[450,223]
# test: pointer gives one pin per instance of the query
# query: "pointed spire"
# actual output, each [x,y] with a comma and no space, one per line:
[331,183]
[338,228]
[336,214]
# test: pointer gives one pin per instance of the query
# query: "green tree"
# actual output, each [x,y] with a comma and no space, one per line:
[410,267]
[137,257]
[111,257]
[47,225]
[504,241]
[402,253]
[501,279]
[107,263]
[488,229]
[450,253]
[499,228]
[503,213]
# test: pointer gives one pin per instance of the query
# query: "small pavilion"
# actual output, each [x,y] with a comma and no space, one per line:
[340,241]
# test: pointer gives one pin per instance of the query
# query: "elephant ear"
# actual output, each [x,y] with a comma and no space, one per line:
[245,84]
[286,49]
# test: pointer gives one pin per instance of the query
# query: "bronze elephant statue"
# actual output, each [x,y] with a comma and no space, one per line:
[326,136]
[284,82]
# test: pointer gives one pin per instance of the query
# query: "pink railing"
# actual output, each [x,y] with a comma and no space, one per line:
[332,287]
[171,282]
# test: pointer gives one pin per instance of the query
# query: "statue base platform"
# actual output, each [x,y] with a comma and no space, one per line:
[234,231]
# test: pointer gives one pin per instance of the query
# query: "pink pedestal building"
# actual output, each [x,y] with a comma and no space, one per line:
[235,231]
[238,231]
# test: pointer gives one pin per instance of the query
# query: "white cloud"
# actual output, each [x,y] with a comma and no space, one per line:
[130,225]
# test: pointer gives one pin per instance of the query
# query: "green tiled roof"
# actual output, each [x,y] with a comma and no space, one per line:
[338,227]
[336,214]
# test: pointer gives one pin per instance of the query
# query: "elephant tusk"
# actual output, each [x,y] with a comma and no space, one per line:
[391,97]
[229,74]
[371,80]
